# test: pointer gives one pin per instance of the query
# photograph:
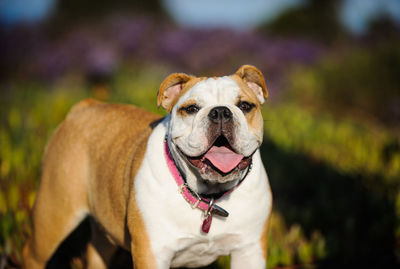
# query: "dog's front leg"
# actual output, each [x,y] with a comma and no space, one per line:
[144,254]
[144,258]
[249,257]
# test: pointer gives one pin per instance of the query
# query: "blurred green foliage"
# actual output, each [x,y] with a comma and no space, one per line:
[363,82]
[347,145]
[31,111]
[335,179]
[28,116]
[331,144]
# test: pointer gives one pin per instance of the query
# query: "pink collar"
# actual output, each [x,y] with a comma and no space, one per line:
[194,199]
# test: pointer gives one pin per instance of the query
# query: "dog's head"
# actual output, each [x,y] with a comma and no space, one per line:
[216,123]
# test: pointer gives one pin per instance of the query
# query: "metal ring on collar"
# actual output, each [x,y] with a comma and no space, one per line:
[210,205]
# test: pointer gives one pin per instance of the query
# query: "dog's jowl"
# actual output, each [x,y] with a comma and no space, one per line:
[177,191]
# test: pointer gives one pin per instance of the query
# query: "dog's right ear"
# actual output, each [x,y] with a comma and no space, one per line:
[170,90]
[254,80]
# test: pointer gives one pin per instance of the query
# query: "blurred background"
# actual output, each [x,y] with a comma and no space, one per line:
[332,120]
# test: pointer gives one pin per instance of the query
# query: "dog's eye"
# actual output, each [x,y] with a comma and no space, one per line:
[245,106]
[192,109]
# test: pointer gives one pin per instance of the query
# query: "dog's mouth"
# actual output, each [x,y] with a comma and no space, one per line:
[220,157]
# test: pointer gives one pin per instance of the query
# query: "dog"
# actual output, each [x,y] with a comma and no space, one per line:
[175,191]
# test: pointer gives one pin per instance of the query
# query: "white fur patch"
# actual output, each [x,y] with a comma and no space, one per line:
[173,225]
[189,133]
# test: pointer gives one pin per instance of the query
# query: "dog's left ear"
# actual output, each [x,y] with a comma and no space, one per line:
[170,90]
[255,80]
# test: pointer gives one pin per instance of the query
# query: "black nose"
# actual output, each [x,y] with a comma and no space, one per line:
[220,114]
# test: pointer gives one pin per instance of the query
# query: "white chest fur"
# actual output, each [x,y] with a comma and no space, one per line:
[174,227]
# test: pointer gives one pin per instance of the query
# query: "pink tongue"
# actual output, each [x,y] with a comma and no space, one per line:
[223,158]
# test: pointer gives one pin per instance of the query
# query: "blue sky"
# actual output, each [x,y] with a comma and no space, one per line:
[239,14]
[14,11]
[232,13]
[356,13]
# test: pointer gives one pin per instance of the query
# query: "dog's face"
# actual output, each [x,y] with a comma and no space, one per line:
[216,123]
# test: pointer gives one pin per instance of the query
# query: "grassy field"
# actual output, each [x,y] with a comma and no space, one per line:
[335,181]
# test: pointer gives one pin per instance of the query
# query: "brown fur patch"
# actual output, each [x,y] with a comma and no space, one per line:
[186,82]
[163,98]
[254,117]
[264,238]
[89,166]
[181,111]
[185,87]
[140,243]
[120,151]
[82,104]
[252,74]
[264,235]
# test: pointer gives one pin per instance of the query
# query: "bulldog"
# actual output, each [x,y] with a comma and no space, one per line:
[177,191]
